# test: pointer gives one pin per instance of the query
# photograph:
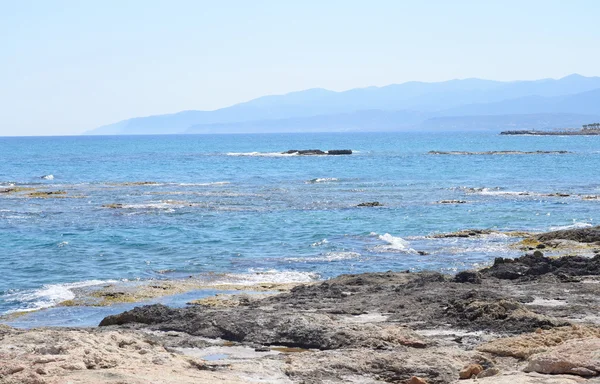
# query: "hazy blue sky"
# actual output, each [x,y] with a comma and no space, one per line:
[69,66]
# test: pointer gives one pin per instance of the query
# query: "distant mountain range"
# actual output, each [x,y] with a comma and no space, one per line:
[469,104]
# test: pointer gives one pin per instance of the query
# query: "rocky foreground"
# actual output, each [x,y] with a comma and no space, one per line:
[530,320]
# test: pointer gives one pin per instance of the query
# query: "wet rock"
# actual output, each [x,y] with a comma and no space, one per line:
[501,315]
[536,264]
[339,152]
[308,152]
[299,330]
[472,277]
[464,233]
[370,204]
[149,314]
[305,152]
[582,235]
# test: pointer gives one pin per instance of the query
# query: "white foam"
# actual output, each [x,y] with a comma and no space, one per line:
[329,256]
[322,180]
[258,276]
[319,243]
[262,154]
[211,184]
[575,225]
[167,205]
[497,192]
[48,177]
[49,295]
[394,244]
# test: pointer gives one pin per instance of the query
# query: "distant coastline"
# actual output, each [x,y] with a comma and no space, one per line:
[586,130]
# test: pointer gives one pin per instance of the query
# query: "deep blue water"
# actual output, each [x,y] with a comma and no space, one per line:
[215,207]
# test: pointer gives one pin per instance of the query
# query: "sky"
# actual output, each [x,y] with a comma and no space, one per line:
[68,66]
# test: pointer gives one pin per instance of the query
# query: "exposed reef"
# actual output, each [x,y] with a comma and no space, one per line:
[499,153]
[308,152]
[370,204]
[582,132]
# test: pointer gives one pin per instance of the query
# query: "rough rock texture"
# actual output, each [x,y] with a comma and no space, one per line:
[45,356]
[582,235]
[299,330]
[536,264]
[366,328]
[578,357]
[398,366]
[526,345]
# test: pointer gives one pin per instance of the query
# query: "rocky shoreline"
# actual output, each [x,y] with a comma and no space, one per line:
[530,320]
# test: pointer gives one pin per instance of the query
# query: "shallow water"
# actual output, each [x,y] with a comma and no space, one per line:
[231,207]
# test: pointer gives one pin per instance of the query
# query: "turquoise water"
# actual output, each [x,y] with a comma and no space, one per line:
[228,207]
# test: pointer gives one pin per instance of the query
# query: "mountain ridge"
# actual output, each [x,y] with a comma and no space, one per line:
[574,94]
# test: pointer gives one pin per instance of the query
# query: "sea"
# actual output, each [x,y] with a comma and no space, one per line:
[80,211]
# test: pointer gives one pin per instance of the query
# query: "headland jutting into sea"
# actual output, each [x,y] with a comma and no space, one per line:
[585,130]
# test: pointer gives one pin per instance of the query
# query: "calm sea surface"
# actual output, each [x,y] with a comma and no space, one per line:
[230,207]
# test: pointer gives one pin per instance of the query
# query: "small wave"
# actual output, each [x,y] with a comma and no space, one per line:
[575,225]
[322,180]
[319,243]
[329,256]
[259,276]
[214,183]
[262,154]
[498,192]
[47,177]
[166,205]
[394,244]
[48,296]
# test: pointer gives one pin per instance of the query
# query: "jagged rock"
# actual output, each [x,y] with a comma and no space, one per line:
[536,265]
[505,315]
[472,277]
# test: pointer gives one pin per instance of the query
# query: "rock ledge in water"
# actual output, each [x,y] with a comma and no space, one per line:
[307,152]
[370,204]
